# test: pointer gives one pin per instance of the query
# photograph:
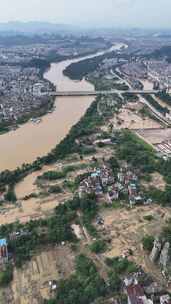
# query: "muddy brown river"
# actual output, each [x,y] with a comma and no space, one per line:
[31,140]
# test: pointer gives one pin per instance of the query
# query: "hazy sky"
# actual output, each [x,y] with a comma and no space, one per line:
[148,13]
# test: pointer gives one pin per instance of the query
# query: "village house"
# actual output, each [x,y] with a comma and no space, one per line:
[102,182]
[3,251]
[135,292]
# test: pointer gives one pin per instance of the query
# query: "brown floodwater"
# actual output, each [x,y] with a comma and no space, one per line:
[32,140]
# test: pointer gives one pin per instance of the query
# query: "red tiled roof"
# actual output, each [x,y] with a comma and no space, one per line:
[135,292]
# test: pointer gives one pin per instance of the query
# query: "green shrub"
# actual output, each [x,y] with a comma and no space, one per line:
[147,242]
[52,175]
[114,281]
[55,189]
[148,217]
[98,246]
[121,265]
[10,195]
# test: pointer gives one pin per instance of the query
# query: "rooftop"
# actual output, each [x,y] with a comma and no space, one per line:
[135,293]
[3,242]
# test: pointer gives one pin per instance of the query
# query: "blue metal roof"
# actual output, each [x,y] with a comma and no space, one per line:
[3,242]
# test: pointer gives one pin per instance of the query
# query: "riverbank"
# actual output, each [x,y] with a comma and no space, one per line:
[31,141]
[79,70]
[66,147]
[36,114]
[47,106]
[71,153]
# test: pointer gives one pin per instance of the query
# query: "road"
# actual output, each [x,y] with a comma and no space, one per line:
[156,113]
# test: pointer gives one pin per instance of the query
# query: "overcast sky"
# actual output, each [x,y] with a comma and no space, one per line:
[139,13]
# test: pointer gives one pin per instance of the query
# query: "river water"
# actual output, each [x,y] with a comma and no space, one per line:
[30,141]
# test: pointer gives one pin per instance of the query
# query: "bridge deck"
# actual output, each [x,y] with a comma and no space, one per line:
[95,93]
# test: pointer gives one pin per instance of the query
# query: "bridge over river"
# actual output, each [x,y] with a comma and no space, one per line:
[95,93]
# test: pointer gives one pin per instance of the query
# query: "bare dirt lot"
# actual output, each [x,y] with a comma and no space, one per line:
[31,284]
[157,180]
[148,85]
[31,209]
[155,136]
[126,227]
[130,118]
[28,184]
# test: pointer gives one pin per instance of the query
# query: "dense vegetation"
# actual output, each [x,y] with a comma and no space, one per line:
[98,246]
[143,158]
[147,242]
[80,69]
[121,265]
[146,112]
[54,175]
[4,127]
[130,97]
[155,104]
[136,152]
[165,97]
[6,275]
[53,230]
[84,286]
[44,63]
[10,195]
[101,84]
[55,189]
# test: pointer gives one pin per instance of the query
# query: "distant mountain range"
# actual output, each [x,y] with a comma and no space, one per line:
[36,27]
